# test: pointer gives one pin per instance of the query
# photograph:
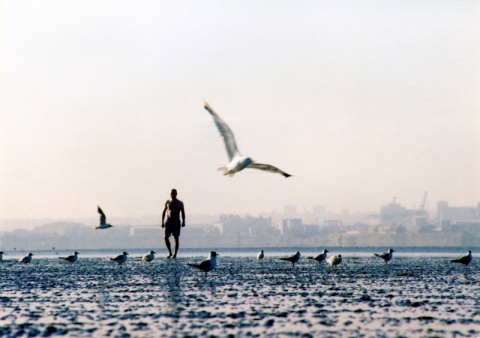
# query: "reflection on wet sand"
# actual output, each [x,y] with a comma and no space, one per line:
[412,296]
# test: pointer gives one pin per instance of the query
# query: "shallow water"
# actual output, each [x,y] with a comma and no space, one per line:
[411,296]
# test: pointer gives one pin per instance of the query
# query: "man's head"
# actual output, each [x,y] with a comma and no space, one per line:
[173,193]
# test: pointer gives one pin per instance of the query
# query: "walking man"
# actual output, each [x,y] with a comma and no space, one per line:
[173,209]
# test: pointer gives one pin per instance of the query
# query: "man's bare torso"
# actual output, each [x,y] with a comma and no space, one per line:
[173,209]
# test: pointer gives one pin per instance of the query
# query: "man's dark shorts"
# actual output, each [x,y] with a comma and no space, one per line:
[172,227]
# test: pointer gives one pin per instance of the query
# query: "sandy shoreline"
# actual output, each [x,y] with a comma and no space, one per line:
[242,297]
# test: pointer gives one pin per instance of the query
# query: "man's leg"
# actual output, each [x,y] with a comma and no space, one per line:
[176,245]
[167,243]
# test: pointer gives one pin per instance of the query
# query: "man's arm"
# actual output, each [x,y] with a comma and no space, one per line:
[163,214]
[182,211]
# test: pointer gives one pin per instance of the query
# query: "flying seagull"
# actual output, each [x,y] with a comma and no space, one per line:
[321,257]
[292,259]
[72,258]
[237,161]
[103,220]
[465,260]
[334,260]
[26,259]
[260,255]
[208,264]
[148,257]
[386,256]
[120,258]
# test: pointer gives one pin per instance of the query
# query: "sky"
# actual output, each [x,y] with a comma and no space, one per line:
[361,101]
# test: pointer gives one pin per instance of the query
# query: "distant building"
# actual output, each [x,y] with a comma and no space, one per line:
[245,226]
[395,214]
[455,214]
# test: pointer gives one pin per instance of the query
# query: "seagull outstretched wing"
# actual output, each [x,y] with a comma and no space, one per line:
[225,132]
[267,167]
[103,218]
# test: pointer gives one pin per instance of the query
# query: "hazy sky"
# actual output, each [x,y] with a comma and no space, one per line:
[361,101]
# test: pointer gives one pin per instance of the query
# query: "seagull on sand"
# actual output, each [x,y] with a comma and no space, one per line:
[292,259]
[321,257]
[72,258]
[148,257]
[237,161]
[120,258]
[386,256]
[260,255]
[334,260]
[465,260]
[26,259]
[208,264]
[103,220]
[1,255]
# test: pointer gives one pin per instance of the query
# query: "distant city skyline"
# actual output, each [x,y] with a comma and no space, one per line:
[101,103]
[315,215]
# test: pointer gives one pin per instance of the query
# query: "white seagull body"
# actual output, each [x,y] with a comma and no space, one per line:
[260,255]
[72,259]
[237,162]
[293,258]
[149,257]
[208,264]
[103,220]
[465,260]
[120,258]
[334,260]
[321,257]
[386,256]
[26,259]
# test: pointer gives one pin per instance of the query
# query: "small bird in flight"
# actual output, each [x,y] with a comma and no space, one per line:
[72,258]
[386,256]
[292,259]
[103,220]
[208,264]
[237,161]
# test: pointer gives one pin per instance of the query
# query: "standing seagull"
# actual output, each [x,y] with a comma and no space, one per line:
[103,220]
[260,255]
[1,255]
[465,260]
[26,259]
[386,256]
[149,257]
[120,258]
[292,259]
[321,257]
[334,260]
[72,259]
[237,161]
[208,264]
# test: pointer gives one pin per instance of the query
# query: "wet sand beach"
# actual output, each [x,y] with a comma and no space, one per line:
[412,296]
